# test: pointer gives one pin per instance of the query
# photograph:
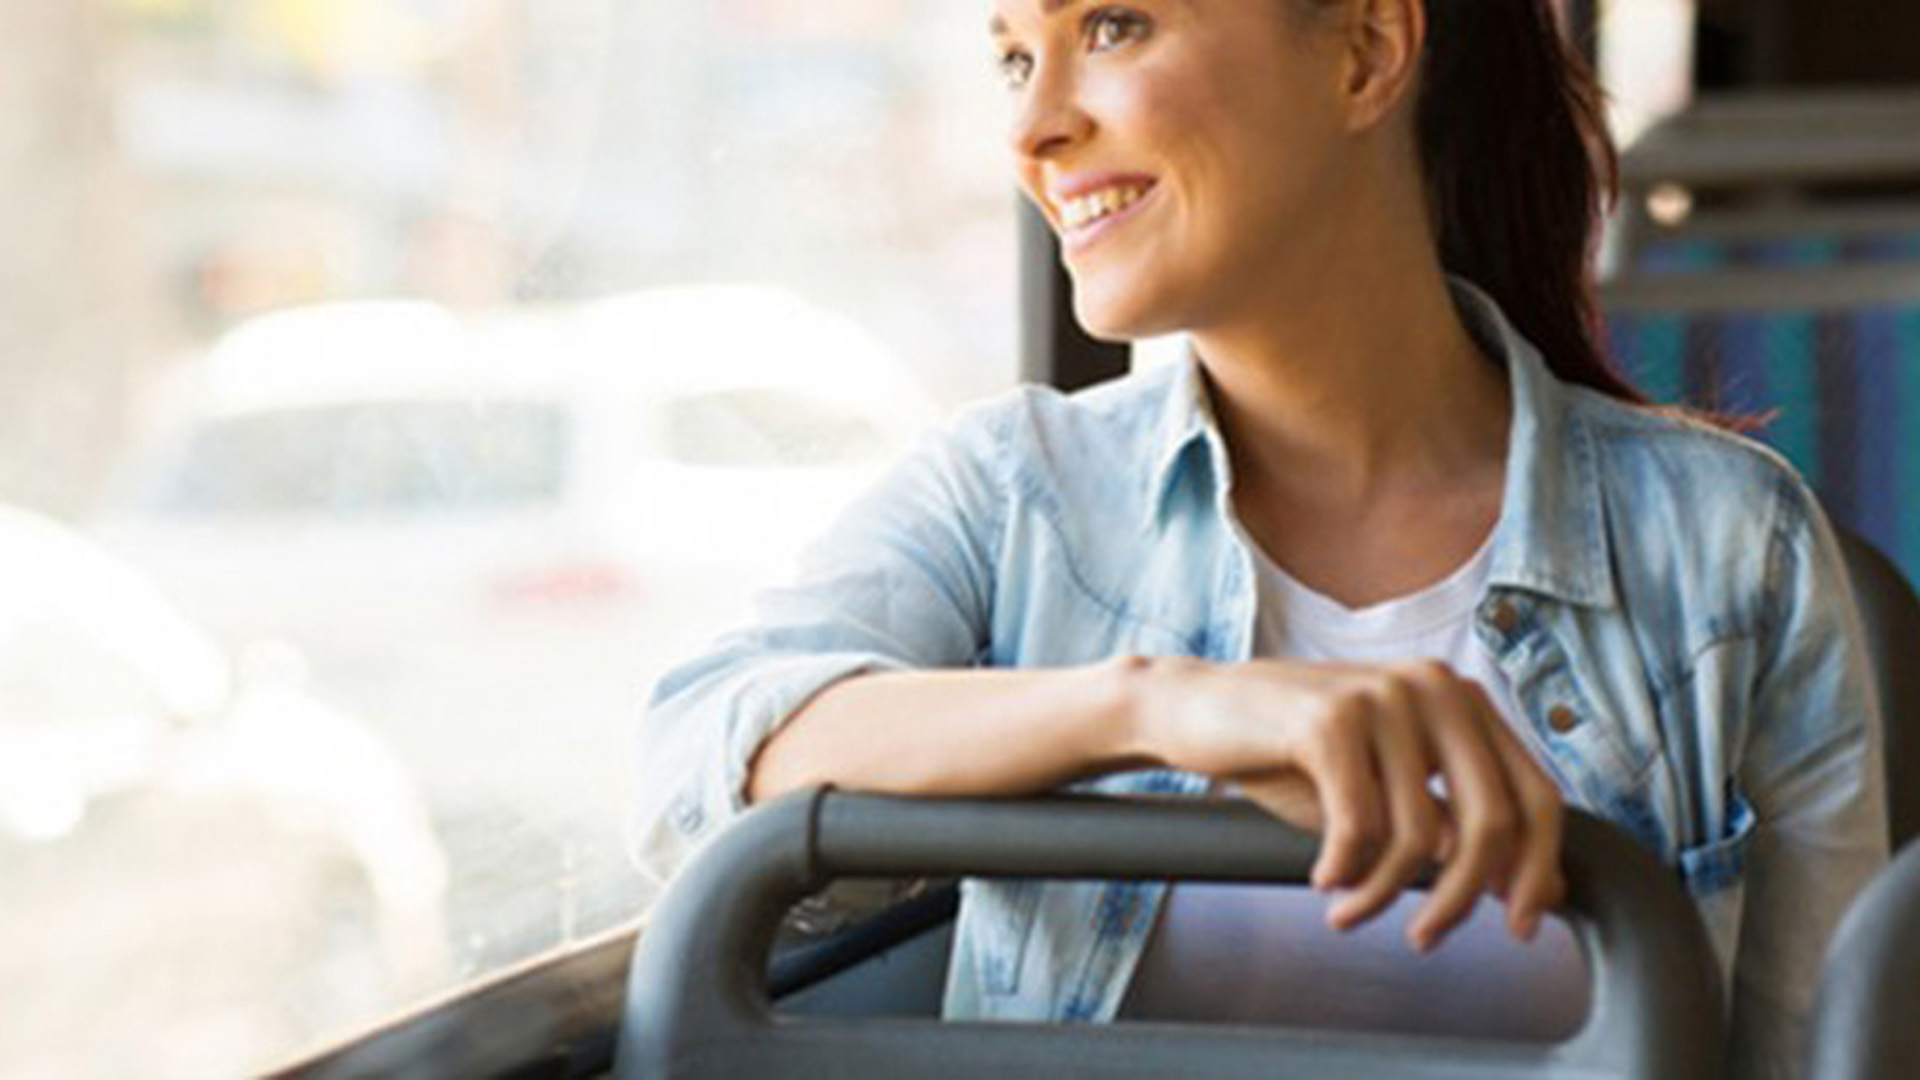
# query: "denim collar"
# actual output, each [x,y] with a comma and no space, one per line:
[1551,538]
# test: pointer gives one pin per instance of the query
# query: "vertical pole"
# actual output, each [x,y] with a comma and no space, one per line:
[1053,348]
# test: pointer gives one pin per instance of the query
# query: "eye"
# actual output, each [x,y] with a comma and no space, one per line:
[1110,28]
[1016,68]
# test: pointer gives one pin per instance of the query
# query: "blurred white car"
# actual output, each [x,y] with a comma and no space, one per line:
[489,535]
[198,861]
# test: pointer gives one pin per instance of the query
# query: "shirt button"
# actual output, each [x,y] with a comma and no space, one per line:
[1562,719]
[1506,617]
[687,817]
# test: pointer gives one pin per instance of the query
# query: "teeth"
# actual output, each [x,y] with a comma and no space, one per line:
[1087,209]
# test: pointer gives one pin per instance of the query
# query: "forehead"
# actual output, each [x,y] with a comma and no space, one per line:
[1005,10]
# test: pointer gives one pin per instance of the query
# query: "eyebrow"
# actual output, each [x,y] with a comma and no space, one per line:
[997,26]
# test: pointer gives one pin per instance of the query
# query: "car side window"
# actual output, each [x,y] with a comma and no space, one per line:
[768,428]
[367,459]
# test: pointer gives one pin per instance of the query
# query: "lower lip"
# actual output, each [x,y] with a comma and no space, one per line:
[1080,239]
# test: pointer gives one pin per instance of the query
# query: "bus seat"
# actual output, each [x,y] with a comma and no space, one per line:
[1833,356]
[698,1001]
[1890,617]
[1765,243]
[1863,1020]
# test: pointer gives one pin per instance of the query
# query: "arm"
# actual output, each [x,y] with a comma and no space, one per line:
[901,582]
[1813,773]
[973,732]
[1347,750]
[854,677]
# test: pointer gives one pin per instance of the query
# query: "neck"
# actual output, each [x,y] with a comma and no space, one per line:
[1359,386]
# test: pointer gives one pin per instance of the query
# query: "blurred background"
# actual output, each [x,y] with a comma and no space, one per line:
[390,389]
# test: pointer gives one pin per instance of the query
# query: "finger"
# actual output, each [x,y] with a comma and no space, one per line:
[1405,763]
[1535,884]
[1484,807]
[1339,760]
[1289,796]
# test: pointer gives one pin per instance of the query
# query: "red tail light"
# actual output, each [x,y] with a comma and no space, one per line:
[567,585]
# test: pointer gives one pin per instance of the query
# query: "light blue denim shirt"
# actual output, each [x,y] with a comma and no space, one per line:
[1666,599]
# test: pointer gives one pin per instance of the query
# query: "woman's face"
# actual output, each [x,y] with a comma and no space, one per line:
[1188,153]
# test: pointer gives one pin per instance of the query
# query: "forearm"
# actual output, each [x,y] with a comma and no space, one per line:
[971,732]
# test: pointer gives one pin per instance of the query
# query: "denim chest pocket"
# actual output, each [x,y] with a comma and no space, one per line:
[1720,862]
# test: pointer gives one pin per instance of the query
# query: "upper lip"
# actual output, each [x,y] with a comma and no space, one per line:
[1066,188]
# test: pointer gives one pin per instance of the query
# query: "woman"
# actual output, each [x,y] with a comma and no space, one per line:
[1395,555]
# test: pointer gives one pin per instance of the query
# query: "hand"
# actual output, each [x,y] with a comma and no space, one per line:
[1351,751]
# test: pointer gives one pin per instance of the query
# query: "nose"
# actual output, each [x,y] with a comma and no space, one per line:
[1049,116]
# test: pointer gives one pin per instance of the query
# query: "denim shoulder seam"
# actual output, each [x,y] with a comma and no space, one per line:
[1683,674]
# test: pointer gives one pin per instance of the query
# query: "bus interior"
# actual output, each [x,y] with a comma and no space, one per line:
[352,517]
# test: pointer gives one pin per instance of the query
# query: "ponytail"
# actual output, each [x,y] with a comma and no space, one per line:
[1519,170]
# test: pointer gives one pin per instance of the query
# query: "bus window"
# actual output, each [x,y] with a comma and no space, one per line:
[441,370]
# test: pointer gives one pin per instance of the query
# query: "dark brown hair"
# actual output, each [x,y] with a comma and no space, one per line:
[1520,169]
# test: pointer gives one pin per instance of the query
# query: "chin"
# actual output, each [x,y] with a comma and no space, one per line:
[1107,315]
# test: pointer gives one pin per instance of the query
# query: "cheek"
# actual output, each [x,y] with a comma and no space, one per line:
[1152,109]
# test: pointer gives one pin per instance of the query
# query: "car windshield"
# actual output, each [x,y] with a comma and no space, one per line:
[371,459]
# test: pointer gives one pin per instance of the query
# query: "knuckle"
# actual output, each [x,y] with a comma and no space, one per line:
[1501,825]
[1392,694]
[1478,692]
[1541,802]
[1368,828]
[1407,856]
[1427,674]
[1494,827]
[1341,719]
[1546,805]
[1422,832]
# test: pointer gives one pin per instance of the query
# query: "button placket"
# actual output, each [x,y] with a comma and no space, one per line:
[1553,723]
[687,816]
[1504,617]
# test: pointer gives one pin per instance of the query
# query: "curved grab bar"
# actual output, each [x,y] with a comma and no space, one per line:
[1862,1027]
[697,1004]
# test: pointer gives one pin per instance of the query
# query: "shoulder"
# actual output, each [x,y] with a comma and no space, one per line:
[1119,408]
[1711,519]
[1653,457]
[1035,431]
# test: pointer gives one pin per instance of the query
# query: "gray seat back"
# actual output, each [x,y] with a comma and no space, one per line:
[1890,615]
[1864,1019]
[697,1004]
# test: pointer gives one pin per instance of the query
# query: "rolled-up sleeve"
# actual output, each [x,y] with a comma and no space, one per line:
[903,580]
[1813,772]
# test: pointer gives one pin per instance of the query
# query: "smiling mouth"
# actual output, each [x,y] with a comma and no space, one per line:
[1088,210]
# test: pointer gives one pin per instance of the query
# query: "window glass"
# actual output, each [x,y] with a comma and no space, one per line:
[748,428]
[445,369]
[392,457]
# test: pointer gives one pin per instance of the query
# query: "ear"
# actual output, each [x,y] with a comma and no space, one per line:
[1385,42]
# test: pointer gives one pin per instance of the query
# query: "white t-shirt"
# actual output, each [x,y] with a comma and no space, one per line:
[1263,954]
